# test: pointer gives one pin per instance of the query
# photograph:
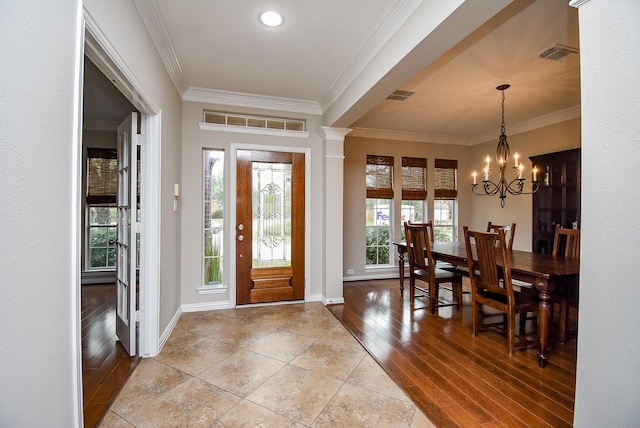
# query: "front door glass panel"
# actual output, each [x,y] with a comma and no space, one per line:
[271,214]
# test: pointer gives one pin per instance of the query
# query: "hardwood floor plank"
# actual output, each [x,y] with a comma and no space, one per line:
[455,378]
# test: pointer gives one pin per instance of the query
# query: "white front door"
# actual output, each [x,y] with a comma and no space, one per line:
[127,228]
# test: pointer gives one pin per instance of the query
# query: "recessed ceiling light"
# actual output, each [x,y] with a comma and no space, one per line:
[271,18]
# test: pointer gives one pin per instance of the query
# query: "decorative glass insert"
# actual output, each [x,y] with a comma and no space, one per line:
[213,215]
[271,194]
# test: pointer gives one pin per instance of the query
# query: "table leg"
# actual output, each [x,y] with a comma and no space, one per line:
[544,324]
[401,269]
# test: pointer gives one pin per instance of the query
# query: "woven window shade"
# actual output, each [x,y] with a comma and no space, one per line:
[414,179]
[379,177]
[445,179]
[102,176]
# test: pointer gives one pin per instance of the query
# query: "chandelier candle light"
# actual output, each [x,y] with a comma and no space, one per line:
[502,187]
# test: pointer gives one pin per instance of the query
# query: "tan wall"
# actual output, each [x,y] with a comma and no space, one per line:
[473,211]
[356,150]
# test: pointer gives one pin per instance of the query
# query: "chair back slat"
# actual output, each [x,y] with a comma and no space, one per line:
[428,225]
[566,243]
[509,232]
[485,273]
[418,246]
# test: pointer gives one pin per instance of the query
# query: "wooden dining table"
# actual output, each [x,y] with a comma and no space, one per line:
[543,271]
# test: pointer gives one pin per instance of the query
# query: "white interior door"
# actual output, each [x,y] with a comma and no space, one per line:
[126,245]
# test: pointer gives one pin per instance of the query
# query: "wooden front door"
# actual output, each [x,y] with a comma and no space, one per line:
[270,205]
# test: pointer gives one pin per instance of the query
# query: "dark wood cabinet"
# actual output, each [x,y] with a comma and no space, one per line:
[557,201]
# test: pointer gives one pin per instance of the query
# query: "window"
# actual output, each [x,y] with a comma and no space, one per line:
[102,237]
[213,215]
[379,179]
[445,198]
[414,191]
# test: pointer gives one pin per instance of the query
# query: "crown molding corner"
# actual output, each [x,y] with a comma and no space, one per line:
[153,21]
[239,99]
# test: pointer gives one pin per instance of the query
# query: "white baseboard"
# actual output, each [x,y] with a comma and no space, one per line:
[167,331]
[208,306]
[332,301]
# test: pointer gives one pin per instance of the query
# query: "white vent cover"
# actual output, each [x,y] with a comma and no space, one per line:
[558,52]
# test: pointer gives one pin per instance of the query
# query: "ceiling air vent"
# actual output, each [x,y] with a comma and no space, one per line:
[400,95]
[558,52]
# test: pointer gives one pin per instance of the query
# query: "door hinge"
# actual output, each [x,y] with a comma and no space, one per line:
[138,316]
[138,139]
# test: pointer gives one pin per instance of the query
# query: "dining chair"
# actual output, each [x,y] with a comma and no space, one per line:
[491,286]
[423,268]
[509,232]
[566,243]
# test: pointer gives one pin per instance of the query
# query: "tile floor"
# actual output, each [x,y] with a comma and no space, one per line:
[268,366]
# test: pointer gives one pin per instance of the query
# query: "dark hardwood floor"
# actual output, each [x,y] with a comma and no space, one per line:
[105,363]
[456,379]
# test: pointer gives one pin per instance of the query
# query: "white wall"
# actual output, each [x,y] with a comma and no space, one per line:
[191,199]
[121,24]
[608,372]
[38,170]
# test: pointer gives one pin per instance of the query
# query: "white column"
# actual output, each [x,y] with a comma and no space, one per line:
[607,374]
[333,162]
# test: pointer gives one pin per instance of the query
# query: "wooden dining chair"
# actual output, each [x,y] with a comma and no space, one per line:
[509,232]
[422,267]
[491,286]
[566,243]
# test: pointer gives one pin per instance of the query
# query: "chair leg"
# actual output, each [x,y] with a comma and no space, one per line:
[457,292]
[511,333]
[523,323]
[475,314]
[433,296]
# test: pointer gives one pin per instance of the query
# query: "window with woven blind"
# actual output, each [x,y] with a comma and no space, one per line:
[445,179]
[379,177]
[102,176]
[414,179]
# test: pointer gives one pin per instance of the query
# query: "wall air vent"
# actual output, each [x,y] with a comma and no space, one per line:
[400,95]
[558,52]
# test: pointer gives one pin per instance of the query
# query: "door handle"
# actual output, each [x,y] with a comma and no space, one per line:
[240,237]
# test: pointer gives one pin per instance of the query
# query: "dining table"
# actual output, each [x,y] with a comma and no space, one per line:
[544,271]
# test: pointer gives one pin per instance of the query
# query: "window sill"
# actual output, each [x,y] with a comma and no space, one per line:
[212,290]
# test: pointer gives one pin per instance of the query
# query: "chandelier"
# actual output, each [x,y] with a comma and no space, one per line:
[503,186]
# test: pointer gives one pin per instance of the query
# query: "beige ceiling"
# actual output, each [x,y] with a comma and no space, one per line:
[327,48]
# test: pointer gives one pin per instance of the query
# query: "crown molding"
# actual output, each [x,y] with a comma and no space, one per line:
[577,3]
[394,16]
[419,137]
[539,122]
[239,99]
[529,125]
[153,21]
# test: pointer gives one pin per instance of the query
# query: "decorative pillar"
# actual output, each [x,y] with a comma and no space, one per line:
[333,169]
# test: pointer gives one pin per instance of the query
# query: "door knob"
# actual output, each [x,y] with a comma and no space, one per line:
[240,237]
[241,226]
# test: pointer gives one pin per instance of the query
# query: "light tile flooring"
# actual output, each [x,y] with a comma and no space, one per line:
[268,366]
